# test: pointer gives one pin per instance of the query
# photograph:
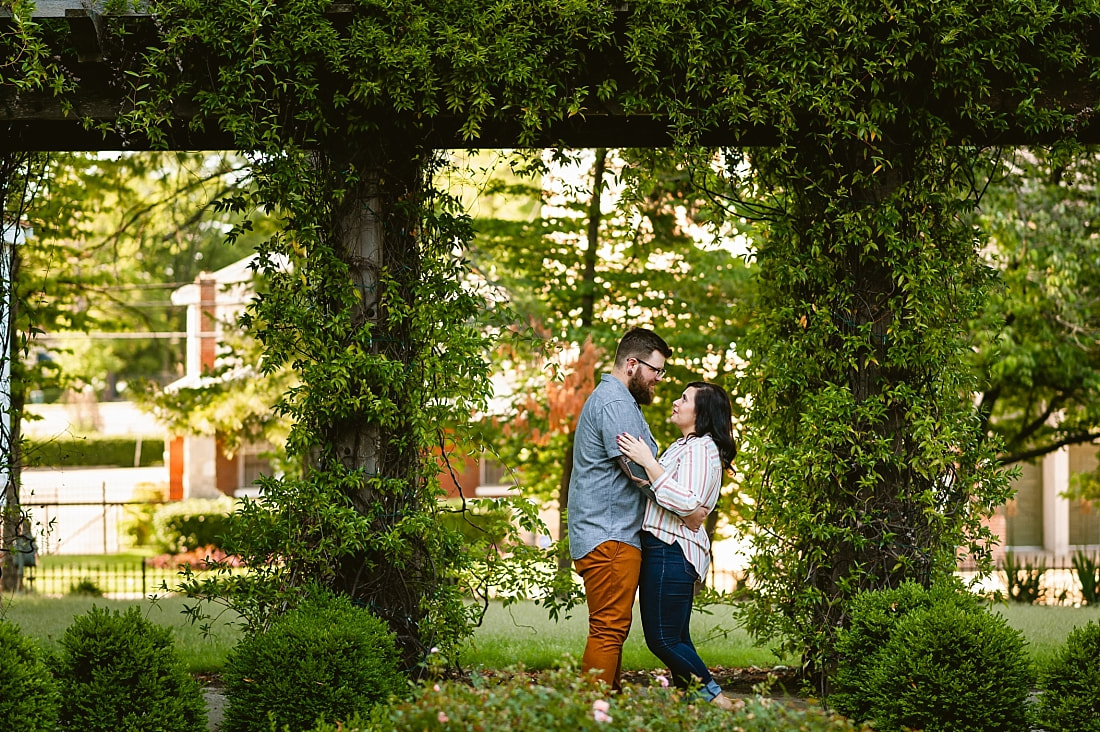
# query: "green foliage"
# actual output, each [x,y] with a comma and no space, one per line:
[563,701]
[29,697]
[1070,684]
[78,451]
[872,619]
[326,660]
[1040,211]
[866,464]
[154,230]
[181,526]
[932,659]
[137,520]
[949,669]
[1087,569]
[484,522]
[120,671]
[274,57]
[1024,582]
[85,588]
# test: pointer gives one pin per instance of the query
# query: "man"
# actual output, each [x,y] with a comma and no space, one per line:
[606,506]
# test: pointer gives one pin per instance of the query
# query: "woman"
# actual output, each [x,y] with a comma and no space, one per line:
[687,475]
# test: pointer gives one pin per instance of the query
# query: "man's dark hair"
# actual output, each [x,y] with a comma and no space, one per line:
[640,343]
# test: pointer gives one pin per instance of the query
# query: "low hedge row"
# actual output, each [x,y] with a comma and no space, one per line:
[88,451]
[564,701]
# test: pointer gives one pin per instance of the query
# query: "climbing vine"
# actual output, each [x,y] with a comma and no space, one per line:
[855,126]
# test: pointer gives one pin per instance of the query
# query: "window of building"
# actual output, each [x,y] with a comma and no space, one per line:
[1024,513]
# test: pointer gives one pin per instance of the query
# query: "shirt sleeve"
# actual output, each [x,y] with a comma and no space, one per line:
[683,487]
[620,417]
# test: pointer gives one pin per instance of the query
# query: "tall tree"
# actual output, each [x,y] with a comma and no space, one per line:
[115,234]
[1036,343]
[20,178]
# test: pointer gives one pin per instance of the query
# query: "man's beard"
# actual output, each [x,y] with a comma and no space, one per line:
[642,392]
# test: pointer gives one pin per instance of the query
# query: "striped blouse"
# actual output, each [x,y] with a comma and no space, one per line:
[693,476]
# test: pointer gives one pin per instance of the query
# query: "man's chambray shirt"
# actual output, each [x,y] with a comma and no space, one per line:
[605,505]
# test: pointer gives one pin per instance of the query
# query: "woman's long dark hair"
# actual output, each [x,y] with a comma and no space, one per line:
[714,417]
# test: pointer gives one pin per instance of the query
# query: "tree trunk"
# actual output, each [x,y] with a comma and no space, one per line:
[13,167]
[588,308]
[376,231]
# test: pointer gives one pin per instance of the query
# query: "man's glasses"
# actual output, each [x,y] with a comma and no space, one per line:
[659,372]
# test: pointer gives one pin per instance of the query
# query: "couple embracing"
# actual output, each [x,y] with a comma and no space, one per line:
[635,520]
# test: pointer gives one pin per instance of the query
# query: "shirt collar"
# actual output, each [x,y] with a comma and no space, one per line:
[616,384]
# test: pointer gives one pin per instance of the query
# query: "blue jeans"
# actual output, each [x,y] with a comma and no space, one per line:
[666,590]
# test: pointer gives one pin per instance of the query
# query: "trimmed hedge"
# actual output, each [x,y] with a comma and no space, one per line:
[29,697]
[933,660]
[872,618]
[325,660]
[1070,684]
[183,526]
[88,451]
[121,672]
[948,670]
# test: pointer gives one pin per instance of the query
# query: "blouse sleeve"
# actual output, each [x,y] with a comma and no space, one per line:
[687,484]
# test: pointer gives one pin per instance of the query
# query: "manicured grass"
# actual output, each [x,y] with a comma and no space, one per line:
[46,618]
[520,634]
[1045,627]
[523,634]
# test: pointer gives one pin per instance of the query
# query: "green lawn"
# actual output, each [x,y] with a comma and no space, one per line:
[46,618]
[520,634]
[1045,628]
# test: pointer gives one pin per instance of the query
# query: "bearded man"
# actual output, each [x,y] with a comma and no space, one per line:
[606,506]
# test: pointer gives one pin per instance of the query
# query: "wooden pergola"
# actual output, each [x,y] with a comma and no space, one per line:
[41,121]
[85,120]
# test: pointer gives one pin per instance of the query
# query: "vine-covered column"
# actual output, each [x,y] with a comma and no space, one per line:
[365,302]
[866,460]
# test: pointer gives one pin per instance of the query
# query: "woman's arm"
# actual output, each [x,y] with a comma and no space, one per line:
[684,487]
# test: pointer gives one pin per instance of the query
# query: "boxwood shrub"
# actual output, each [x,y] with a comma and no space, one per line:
[28,694]
[1070,685]
[325,660]
[871,622]
[194,523]
[946,669]
[121,672]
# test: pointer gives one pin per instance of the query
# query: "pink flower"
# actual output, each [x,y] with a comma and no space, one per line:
[443,718]
[599,711]
[600,716]
[435,687]
[662,680]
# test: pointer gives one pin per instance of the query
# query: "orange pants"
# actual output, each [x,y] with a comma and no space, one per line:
[610,574]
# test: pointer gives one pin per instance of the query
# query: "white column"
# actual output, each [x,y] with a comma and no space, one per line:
[199,465]
[1055,506]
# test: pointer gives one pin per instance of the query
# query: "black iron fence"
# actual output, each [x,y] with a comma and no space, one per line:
[129,579]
